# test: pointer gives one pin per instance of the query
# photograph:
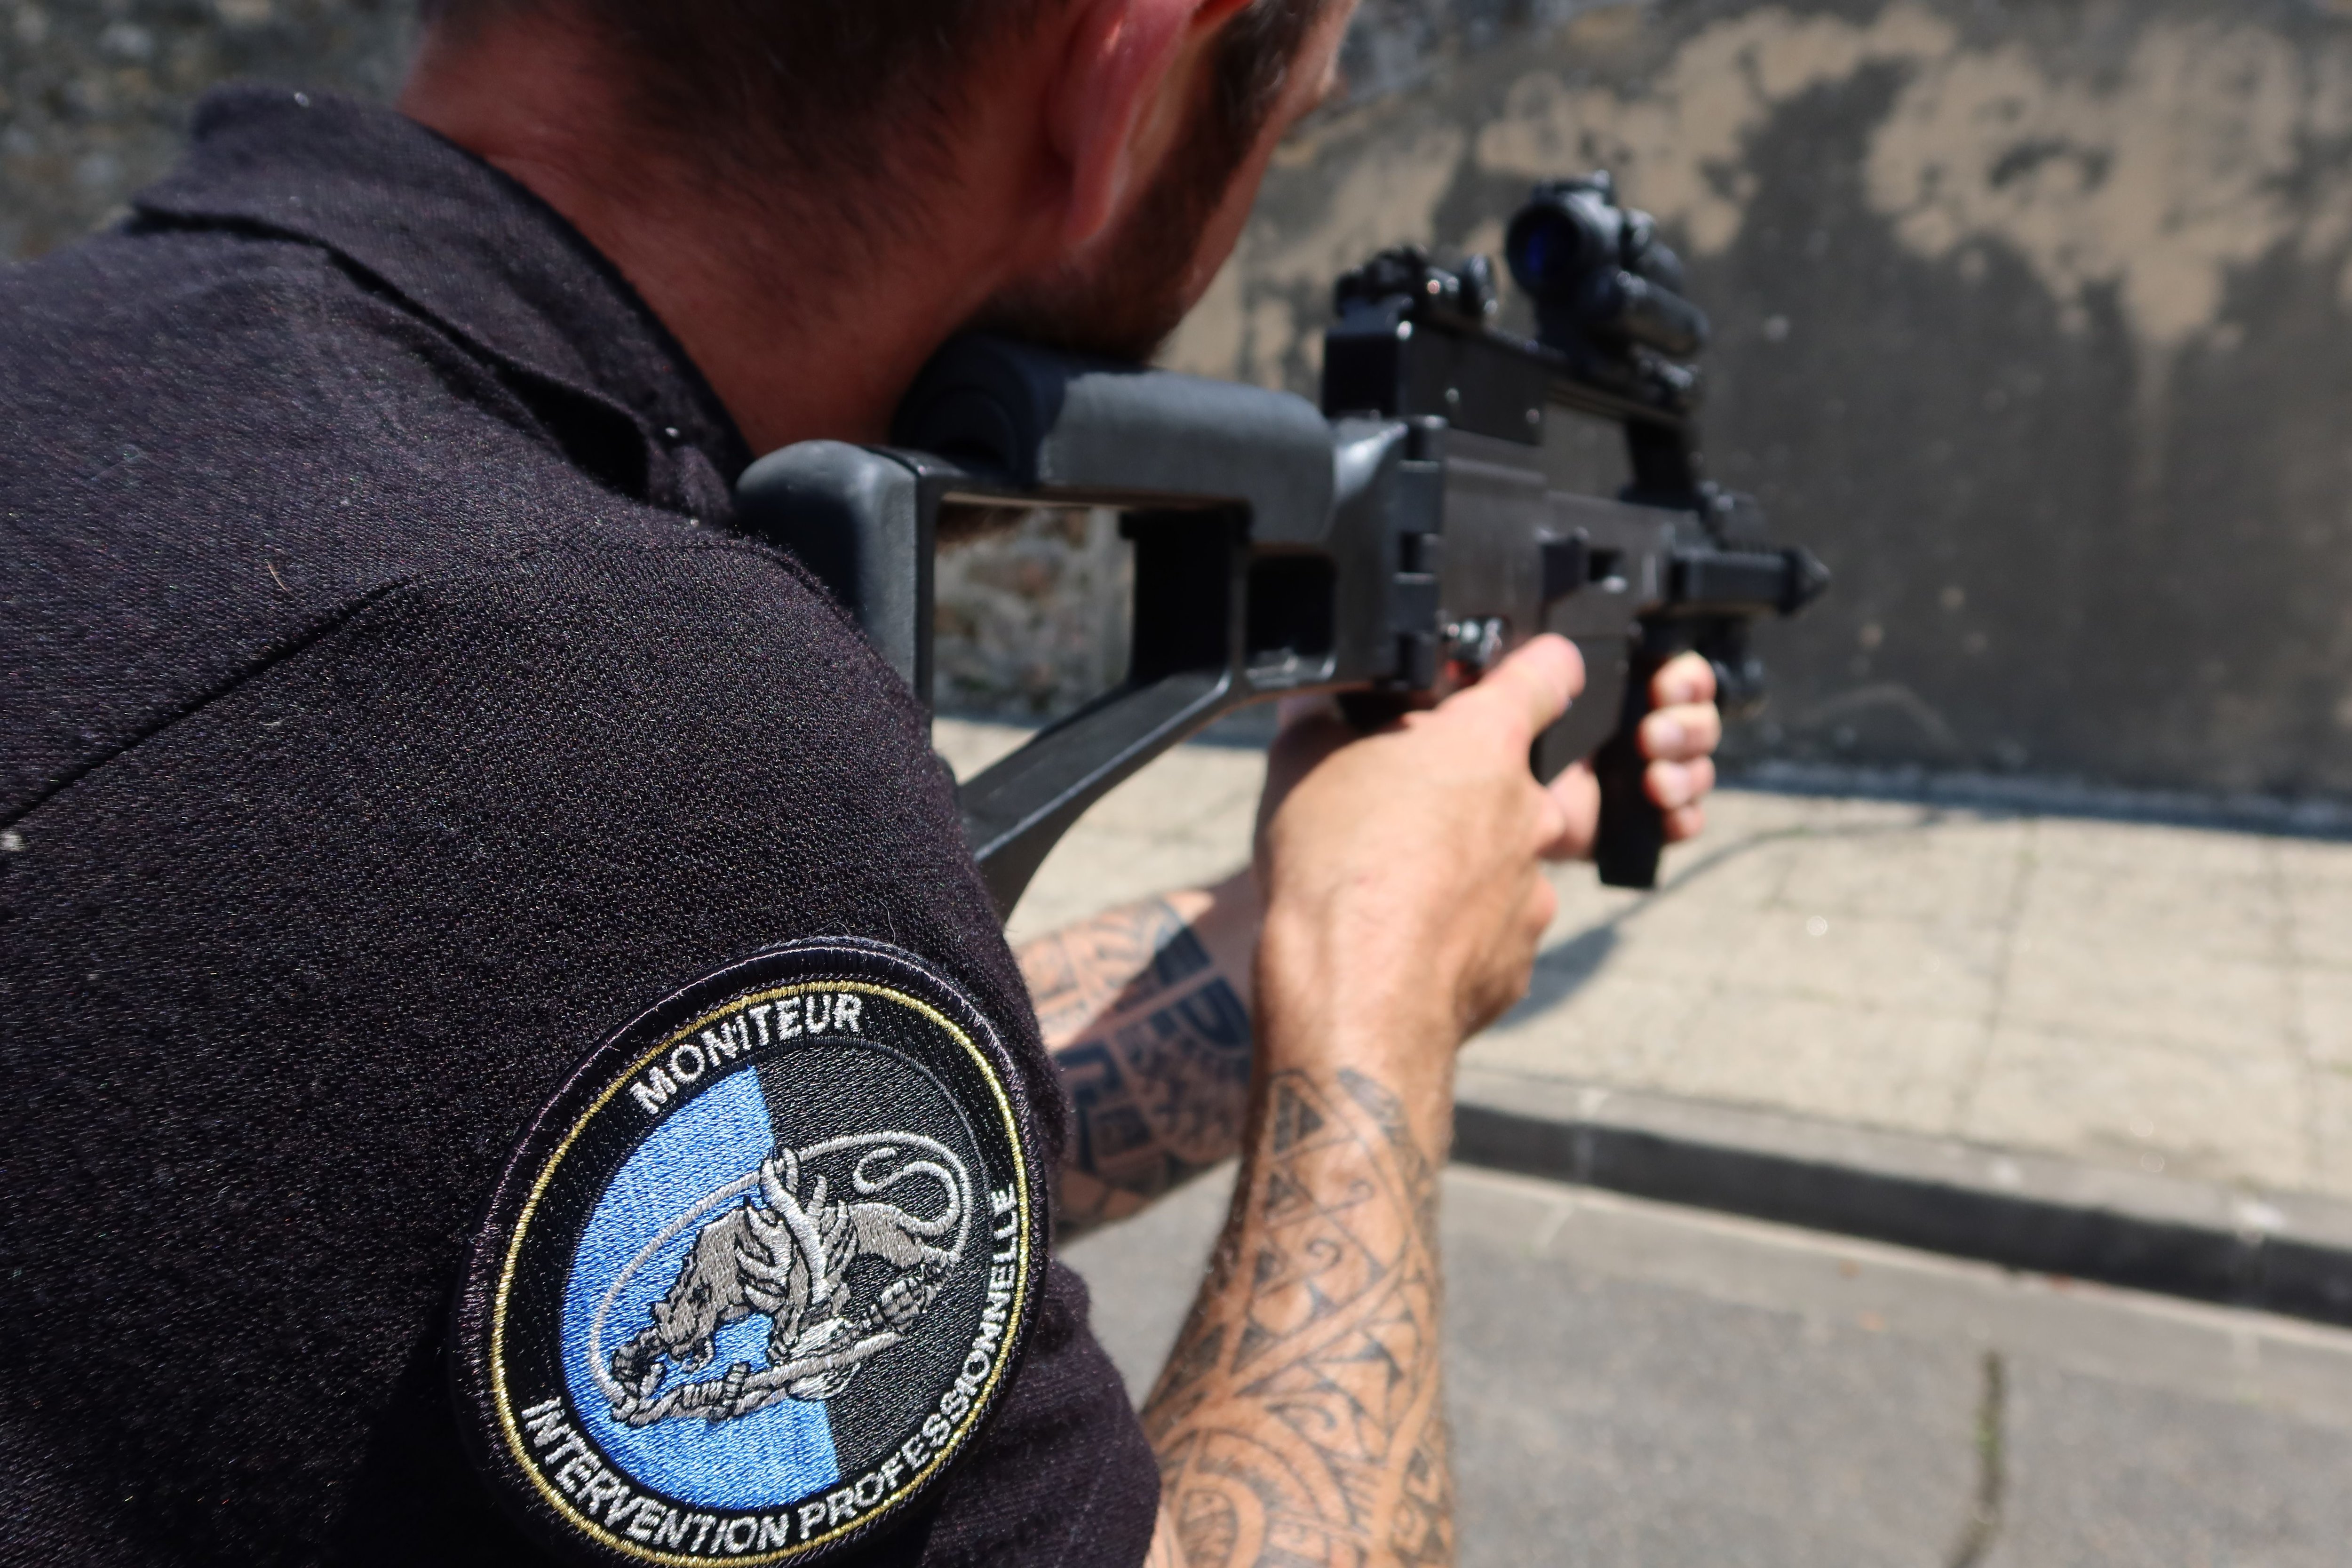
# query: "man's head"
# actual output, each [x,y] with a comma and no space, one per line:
[1085,164]
[1153,266]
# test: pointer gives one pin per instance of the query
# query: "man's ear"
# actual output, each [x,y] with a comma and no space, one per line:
[1121,96]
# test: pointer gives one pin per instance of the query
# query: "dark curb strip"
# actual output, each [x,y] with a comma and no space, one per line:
[2289,1253]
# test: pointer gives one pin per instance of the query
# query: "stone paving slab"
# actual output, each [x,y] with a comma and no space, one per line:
[2154,998]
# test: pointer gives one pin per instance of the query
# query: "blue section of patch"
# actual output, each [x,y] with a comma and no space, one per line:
[766,1459]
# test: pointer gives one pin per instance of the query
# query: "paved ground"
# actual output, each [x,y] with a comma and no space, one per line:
[2164,999]
[1637,1384]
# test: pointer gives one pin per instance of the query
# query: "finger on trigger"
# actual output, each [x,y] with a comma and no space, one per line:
[1534,684]
[1685,677]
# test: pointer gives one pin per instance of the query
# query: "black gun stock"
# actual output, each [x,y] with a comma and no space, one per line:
[1387,548]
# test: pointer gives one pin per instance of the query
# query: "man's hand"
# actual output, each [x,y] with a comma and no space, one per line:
[1148,1008]
[1679,737]
[1401,880]
[1402,872]
[1402,875]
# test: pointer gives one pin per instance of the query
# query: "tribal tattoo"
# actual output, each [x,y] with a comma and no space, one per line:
[1153,1039]
[1300,1420]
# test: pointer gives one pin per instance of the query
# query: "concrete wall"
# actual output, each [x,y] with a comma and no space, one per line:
[2035,320]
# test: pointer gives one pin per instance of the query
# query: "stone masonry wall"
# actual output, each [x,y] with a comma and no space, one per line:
[94,94]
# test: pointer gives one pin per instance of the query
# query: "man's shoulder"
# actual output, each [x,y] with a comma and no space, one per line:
[387,893]
[671,617]
[231,447]
[237,375]
[658,618]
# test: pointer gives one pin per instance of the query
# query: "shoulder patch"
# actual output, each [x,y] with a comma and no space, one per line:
[756,1275]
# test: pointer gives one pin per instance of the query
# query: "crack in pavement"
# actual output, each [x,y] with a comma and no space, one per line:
[1984,1518]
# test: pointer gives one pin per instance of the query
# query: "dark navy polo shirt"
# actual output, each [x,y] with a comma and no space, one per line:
[386,715]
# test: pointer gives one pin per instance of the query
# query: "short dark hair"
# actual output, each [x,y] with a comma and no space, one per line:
[764,83]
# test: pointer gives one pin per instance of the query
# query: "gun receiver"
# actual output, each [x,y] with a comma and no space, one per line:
[1387,548]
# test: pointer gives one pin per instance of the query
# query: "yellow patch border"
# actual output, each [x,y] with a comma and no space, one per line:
[1018,1315]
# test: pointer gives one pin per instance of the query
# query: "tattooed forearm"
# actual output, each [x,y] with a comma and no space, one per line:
[1299,1420]
[1152,1037]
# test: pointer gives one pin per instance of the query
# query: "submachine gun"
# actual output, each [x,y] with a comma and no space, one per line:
[1387,548]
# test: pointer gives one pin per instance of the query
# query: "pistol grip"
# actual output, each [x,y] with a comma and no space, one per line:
[1633,830]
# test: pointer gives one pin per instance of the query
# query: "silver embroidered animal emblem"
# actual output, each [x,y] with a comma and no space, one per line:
[840,1277]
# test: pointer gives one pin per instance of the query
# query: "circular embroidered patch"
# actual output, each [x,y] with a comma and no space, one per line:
[755,1277]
